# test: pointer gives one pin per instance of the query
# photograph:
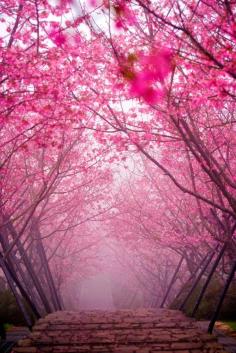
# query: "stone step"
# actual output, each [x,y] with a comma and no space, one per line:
[125,331]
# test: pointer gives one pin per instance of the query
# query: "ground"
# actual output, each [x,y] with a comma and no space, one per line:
[124,331]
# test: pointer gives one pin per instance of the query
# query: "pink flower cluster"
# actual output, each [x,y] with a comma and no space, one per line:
[124,15]
[148,81]
[56,35]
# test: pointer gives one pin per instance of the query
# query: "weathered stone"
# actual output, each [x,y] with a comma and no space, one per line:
[122,331]
[25,342]
[186,345]
[25,350]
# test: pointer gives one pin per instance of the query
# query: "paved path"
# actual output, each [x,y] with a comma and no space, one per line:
[124,331]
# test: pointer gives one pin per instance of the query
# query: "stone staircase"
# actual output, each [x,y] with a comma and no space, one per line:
[124,331]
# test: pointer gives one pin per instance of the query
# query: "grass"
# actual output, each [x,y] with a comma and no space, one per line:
[231,324]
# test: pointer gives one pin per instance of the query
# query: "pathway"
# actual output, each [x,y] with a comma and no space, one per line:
[124,331]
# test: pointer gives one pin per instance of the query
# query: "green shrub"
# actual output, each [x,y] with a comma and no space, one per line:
[231,324]
[9,310]
[209,301]
[7,326]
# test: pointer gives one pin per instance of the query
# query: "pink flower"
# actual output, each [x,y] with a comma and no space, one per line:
[124,15]
[152,95]
[57,36]
[119,23]
[148,82]
[141,86]
[159,63]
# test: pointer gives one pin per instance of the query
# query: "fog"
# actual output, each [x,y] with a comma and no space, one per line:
[96,293]
[120,278]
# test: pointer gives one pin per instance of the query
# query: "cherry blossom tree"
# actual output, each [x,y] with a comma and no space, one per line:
[87,86]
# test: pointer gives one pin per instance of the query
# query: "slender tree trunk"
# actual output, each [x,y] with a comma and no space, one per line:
[198,278]
[15,265]
[30,269]
[204,288]
[223,294]
[48,274]
[16,294]
[172,282]
[21,289]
